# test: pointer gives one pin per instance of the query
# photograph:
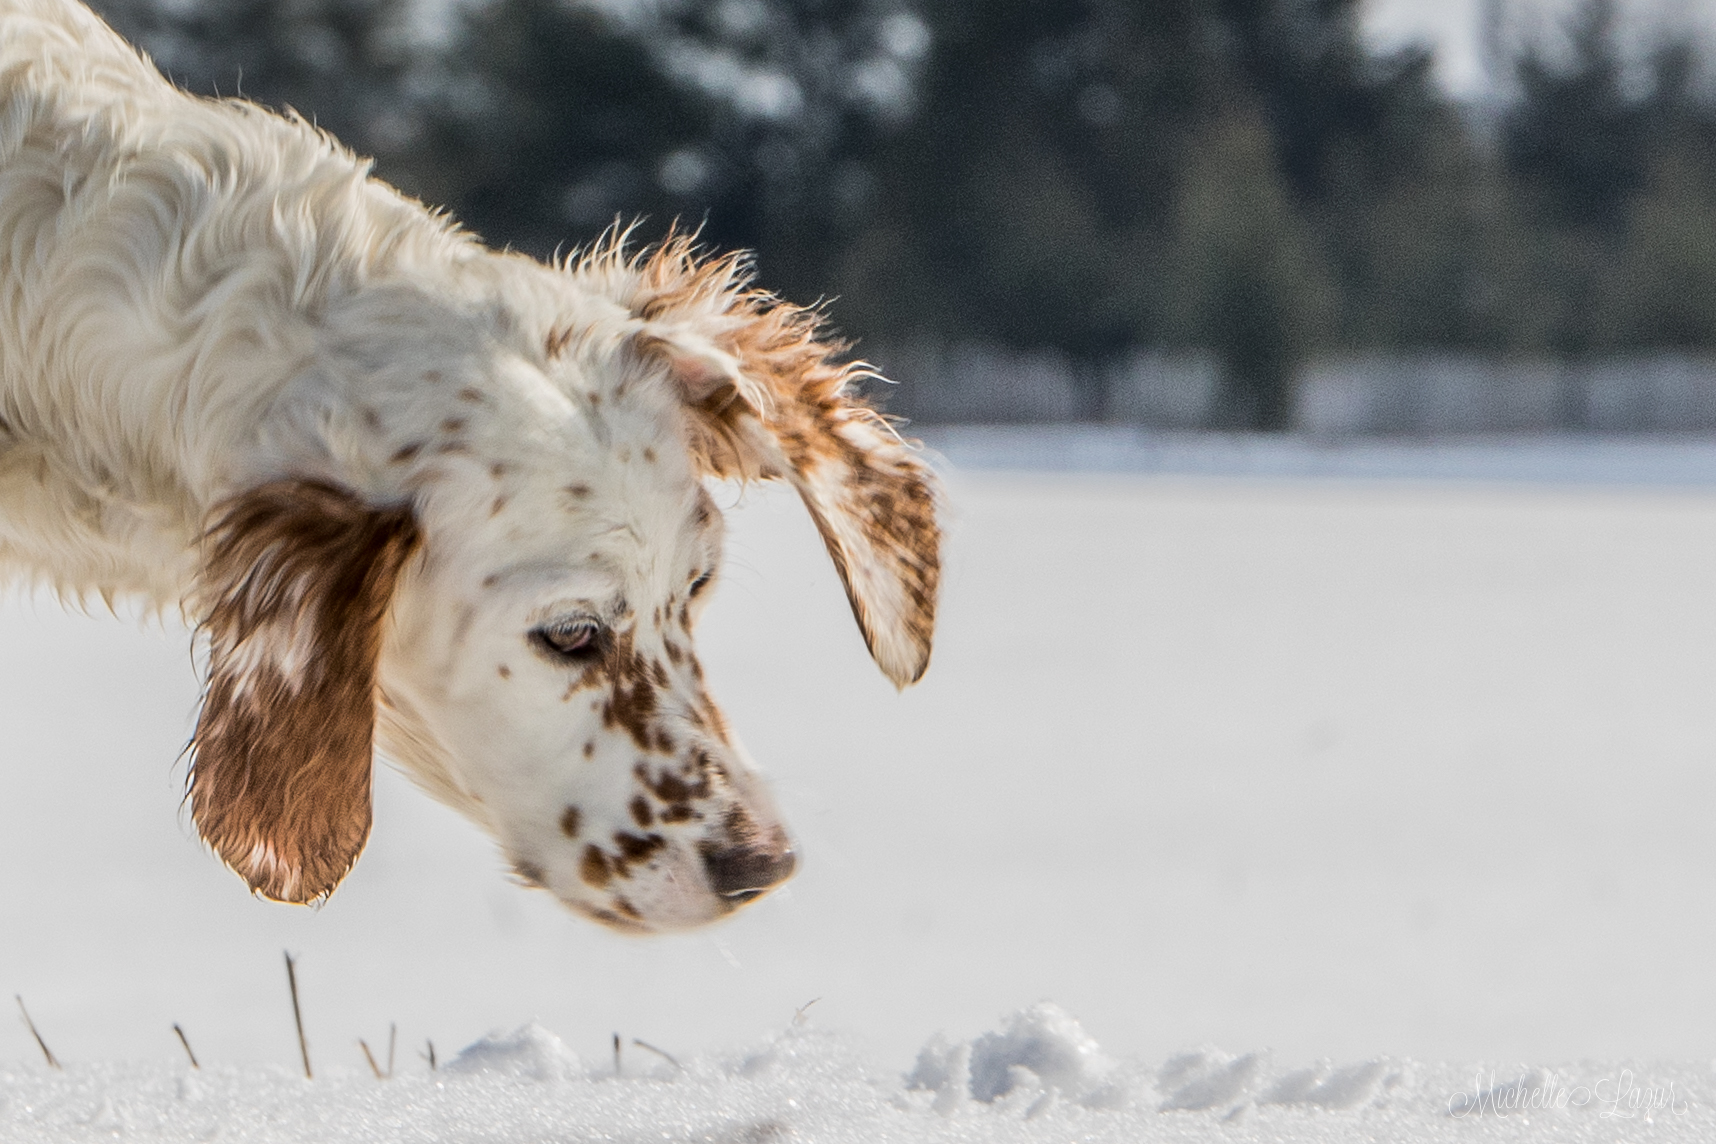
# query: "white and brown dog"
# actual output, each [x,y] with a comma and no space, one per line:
[420,495]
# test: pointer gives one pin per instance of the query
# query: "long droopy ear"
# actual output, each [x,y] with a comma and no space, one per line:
[770,398]
[296,581]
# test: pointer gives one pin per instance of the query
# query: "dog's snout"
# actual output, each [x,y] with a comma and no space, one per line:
[744,873]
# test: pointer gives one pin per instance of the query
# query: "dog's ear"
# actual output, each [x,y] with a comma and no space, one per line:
[769,398]
[296,581]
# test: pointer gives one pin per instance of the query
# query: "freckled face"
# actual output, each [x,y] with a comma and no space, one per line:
[550,657]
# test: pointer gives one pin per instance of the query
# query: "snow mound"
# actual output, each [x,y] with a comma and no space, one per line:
[529,1052]
[1207,1079]
[1325,1086]
[1042,1050]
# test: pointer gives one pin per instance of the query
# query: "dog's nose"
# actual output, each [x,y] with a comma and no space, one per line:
[743,873]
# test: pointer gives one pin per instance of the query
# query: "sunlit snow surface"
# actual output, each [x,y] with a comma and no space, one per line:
[1038,1078]
[1369,756]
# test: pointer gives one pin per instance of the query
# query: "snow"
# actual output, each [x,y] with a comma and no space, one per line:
[1040,1078]
[1347,776]
[529,1052]
[1041,1049]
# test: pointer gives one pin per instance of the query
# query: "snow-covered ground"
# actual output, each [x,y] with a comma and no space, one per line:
[1037,1078]
[1364,773]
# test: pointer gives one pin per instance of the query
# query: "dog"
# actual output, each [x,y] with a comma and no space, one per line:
[418,496]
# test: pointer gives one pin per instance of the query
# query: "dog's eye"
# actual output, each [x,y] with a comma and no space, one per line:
[576,640]
[700,583]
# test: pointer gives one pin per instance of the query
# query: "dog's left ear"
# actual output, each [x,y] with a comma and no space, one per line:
[769,399]
[296,581]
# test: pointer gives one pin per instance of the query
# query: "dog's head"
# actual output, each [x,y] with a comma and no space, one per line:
[522,630]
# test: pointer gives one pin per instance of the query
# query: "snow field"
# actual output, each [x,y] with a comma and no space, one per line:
[1039,1077]
[1360,773]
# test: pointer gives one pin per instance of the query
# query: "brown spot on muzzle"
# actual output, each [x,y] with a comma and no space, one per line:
[634,850]
[594,868]
[671,788]
[678,791]
[632,683]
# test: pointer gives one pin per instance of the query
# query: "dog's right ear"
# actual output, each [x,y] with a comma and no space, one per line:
[770,398]
[296,581]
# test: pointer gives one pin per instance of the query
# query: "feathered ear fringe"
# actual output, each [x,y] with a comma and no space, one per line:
[769,396]
[296,582]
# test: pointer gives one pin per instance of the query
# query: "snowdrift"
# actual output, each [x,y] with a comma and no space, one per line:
[1039,1077]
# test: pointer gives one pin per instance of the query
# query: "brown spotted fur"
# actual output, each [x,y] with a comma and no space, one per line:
[280,775]
[790,411]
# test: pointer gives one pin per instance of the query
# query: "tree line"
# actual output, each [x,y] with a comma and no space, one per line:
[1246,178]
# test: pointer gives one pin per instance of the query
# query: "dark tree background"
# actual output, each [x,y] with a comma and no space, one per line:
[1244,177]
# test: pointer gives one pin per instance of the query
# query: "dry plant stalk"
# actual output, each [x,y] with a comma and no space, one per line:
[662,1053]
[298,1016]
[53,1062]
[370,1057]
[187,1045]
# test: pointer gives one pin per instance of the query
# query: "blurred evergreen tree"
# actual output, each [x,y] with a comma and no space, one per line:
[799,94]
[1339,113]
[1658,284]
[1053,185]
[1576,139]
[1611,159]
[548,121]
[1248,278]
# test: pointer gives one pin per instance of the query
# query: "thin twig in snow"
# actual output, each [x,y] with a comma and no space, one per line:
[662,1053]
[187,1045]
[53,1062]
[298,1016]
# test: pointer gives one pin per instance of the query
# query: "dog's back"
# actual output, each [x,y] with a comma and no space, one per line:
[60,47]
[163,259]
